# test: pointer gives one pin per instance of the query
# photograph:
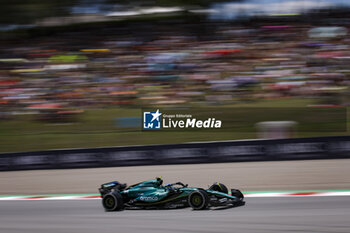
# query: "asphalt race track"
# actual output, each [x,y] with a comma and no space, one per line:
[250,176]
[282,214]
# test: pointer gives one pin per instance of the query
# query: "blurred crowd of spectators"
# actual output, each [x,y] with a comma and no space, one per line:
[72,71]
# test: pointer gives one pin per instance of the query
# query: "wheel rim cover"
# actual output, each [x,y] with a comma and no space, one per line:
[196,200]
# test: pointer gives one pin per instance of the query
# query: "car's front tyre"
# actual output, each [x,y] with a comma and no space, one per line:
[113,201]
[198,200]
[219,187]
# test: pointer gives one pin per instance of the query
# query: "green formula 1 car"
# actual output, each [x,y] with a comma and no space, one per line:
[152,194]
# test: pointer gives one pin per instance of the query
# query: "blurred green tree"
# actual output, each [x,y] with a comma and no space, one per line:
[27,11]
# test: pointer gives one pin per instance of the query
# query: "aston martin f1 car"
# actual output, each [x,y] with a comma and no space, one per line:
[152,194]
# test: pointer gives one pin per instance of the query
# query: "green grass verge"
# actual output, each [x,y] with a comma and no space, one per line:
[96,128]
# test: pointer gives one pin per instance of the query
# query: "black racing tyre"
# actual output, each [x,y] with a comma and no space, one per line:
[237,193]
[113,201]
[219,187]
[198,200]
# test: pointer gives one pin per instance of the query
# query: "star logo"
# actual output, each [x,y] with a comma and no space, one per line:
[156,115]
[151,120]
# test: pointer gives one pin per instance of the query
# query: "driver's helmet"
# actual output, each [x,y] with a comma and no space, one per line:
[170,188]
[159,180]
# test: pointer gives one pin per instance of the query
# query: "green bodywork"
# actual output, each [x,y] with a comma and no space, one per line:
[152,192]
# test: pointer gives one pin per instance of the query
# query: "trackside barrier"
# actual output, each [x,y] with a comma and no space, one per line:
[206,152]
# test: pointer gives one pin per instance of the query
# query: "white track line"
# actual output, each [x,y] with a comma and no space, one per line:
[93,197]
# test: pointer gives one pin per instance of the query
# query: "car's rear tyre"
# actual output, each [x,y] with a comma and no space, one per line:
[113,201]
[198,200]
[219,187]
[237,193]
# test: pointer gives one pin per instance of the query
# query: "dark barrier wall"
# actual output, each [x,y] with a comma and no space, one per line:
[206,152]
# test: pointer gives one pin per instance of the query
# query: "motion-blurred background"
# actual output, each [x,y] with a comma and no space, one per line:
[76,73]
[79,73]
